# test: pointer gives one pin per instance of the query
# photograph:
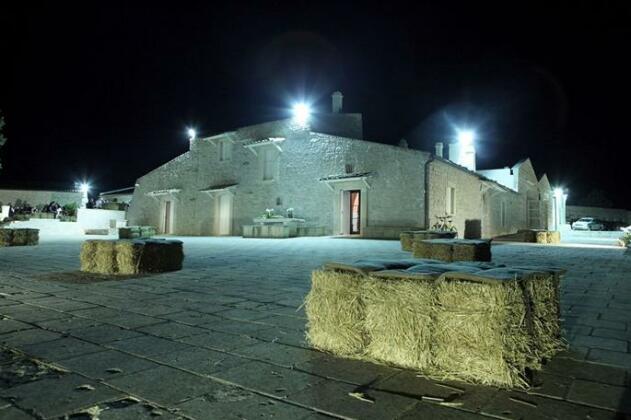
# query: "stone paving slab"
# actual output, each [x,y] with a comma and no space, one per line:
[231,325]
[52,397]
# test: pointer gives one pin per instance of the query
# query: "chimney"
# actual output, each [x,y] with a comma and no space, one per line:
[454,152]
[336,102]
[439,149]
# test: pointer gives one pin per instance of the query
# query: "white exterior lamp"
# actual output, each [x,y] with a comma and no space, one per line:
[466,149]
[191,134]
[84,188]
[301,113]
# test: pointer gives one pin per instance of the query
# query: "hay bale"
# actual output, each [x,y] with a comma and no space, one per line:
[554,237]
[336,313]
[20,237]
[105,257]
[33,236]
[472,250]
[421,249]
[6,237]
[542,292]
[88,252]
[128,256]
[407,241]
[127,233]
[442,251]
[542,237]
[160,255]
[398,321]
[479,333]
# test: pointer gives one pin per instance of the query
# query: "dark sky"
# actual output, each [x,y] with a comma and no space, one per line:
[105,90]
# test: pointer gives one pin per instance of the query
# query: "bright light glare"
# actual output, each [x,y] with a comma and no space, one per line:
[301,112]
[466,137]
[84,187]
[558,192]
[191,133]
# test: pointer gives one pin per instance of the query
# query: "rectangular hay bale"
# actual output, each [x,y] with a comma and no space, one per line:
[6,237]
[398,321]
[88,252]
[472,251]
[128,255]
[407,241]
[441,251]
[479,335]
[421,249]
[336,313]
[554,237]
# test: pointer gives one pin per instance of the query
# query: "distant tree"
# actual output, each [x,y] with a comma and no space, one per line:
[3,139]
[596,198]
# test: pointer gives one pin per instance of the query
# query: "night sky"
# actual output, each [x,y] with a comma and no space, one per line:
[105,91]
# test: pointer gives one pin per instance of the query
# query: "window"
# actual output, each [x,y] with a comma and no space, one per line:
[450,202]
[269,164]
[348,168]
[225,150]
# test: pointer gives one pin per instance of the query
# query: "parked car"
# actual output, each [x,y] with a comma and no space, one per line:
[588,223]
[626,229]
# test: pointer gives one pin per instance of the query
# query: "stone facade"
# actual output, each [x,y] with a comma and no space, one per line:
[225,181]
[310,172]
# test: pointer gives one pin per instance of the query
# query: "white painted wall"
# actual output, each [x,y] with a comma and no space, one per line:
[97,218]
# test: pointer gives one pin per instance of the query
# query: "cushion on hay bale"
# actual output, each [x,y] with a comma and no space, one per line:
[336,313]
[365,266]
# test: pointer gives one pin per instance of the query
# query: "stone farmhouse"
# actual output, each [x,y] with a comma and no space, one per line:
[339,183]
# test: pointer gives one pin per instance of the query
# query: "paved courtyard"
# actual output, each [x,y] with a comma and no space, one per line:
[224,339]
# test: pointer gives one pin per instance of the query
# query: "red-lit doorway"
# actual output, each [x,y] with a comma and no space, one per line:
[355,212]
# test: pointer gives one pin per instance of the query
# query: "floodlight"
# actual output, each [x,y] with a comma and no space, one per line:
[301,112]
[84,187]
[558,192]
[191,133]
[466,137]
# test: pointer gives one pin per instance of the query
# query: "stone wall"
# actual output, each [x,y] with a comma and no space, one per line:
[476,199]
[606,214]
[392,195]
[38,197]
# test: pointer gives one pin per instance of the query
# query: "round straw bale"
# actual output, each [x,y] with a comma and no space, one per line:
[335,313]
